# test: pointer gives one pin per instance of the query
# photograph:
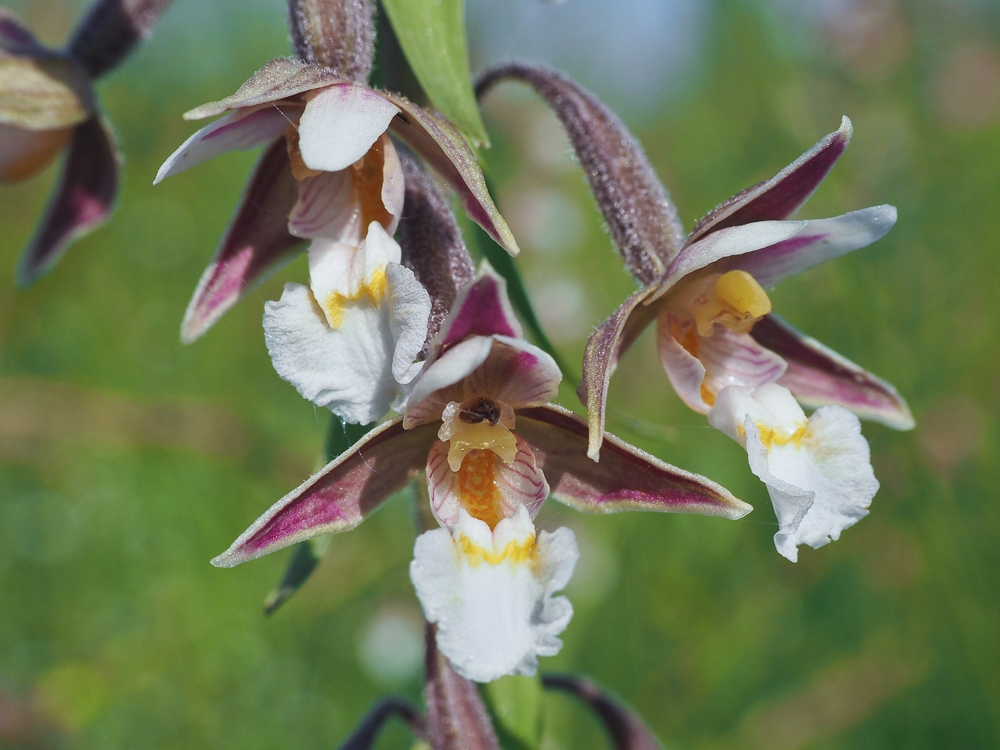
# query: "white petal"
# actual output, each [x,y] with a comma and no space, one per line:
[336,268]
[340,124]
[819,241]
[817,471]
[726,243]
[424,403]
[240,130]
[347,369]
[521,483]
[685,371]
[393,184]
[495,613]
[327,208]
[409,309]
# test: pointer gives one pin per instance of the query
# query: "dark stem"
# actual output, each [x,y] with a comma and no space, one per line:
[110,30]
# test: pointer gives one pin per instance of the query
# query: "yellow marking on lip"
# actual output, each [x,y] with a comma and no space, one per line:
[771,437]
[375,290]
[516,552]
[477,487]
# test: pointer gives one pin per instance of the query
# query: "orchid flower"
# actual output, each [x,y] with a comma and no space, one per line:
[48,106]
[479,421]
[724,352]
[330,174]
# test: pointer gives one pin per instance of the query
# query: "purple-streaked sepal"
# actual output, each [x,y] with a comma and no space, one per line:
[782,195]
[818,376]
[605,347]
[627,730]
[456,716]
[482,309]
[341,495]
[278,79]
[640,216]
[431,244]
[444,148]
[366,733]
[256,243]
[83,200]
[625,479]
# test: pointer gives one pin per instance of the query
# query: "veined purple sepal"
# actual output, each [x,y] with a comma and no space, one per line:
[456,716]
[278,79]
[818,376]
[627,730]
[341,495]
[626,478]
[642,219]
[432,247]
[83,200]
[605,347]
[782,195]
[482,309]
[256,243]
[444,148]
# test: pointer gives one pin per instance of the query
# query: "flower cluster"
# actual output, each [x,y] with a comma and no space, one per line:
[393,320]
[397,331]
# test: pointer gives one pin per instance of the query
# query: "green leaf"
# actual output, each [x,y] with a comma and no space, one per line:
[516,705]
[306,555]
[432,35]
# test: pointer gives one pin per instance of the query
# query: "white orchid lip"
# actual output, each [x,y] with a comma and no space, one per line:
[490,592]
[817,469]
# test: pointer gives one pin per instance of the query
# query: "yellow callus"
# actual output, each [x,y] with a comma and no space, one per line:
[467,437]
[374,289]
[734,299]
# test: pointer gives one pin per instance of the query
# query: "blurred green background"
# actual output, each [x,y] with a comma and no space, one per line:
[128,460]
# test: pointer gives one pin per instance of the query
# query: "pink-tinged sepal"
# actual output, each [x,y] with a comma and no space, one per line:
[782,195]
[818,241]
[444,148]
[83,200]
[605,347]
[256,243]
[818,376]
[625,479]
[341,495]
[626,729]
[482,309]
[278,79]
[237,131]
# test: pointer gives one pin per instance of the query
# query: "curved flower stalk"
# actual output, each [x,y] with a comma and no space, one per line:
[479,421]
[329,175]
[715,329]
[48,107]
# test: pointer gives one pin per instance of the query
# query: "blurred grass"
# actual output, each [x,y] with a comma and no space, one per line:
[127,460]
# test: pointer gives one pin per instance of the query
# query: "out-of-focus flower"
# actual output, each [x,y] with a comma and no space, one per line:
[715,329]
[48,107]
[478,420]
[330,174]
